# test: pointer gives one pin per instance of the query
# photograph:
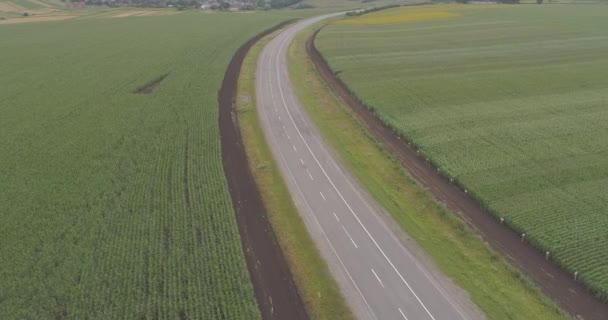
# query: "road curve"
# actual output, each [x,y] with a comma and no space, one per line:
[381,274]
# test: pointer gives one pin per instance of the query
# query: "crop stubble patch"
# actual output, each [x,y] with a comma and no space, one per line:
[37,19]
[555,282]
[10,7]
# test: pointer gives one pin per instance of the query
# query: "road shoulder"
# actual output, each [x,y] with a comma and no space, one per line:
[492,284]
[321,295]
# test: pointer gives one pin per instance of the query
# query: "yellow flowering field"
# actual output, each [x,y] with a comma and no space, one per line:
[412,14]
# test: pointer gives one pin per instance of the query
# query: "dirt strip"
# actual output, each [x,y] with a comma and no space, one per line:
[554,281]
[275,290]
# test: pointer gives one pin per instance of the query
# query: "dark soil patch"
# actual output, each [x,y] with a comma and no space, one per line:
[186,165]
[61,314]
[554,281]
[275,290]
[151,86]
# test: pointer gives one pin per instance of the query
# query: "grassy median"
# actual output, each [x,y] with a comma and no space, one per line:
[500,291]
[315,283]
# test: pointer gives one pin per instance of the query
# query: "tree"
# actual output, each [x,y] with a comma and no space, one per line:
[224,5]
[539,1]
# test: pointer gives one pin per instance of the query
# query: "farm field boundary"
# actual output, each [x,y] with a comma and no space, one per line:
[317,287]
[555,282]
[418,220]
[274,287]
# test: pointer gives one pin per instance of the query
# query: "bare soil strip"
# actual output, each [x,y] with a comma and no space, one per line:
[37,19]
[10,7]
[554,281]
[275,289]
[143,13]
[157,13]
[127,14]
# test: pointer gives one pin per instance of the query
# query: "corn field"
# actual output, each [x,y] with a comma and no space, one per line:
[508,101]
[114,204]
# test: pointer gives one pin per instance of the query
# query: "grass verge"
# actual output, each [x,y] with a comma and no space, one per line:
[500,291]
[315,283]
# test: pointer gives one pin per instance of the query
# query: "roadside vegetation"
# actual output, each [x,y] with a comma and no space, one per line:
[370,10]
[509,101]
[335,5]
[114,203]
[319,290]
[492,284]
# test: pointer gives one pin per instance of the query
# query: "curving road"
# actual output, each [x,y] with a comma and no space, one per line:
[380,272]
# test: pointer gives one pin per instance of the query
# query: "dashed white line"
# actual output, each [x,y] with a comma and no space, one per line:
[351,238]
[294,148]
[309,175]
[333,249]
[378,278]
[336,217]
[322,195]
[403,314]
[340,194]
[406,251]
[288,137]
[301,161]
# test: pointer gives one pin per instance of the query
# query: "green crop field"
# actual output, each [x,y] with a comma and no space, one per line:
[25,4]
[511,101]
[114,205]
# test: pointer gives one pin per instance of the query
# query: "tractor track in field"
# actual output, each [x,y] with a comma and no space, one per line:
[275,290]
[570,295]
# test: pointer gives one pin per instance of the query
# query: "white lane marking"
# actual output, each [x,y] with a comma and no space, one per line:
[403,314]
[391,233]
[311,212]
[393,236]
[322,195]
[294,148]
[351,238]
[288,137]
[336,189]
[336,216]
[374,272]
[309,175]
[279,118]
[301,161]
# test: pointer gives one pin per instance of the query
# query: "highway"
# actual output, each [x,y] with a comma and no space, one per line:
[382,274]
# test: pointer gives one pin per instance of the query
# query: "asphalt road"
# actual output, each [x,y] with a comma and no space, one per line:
[380,272]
